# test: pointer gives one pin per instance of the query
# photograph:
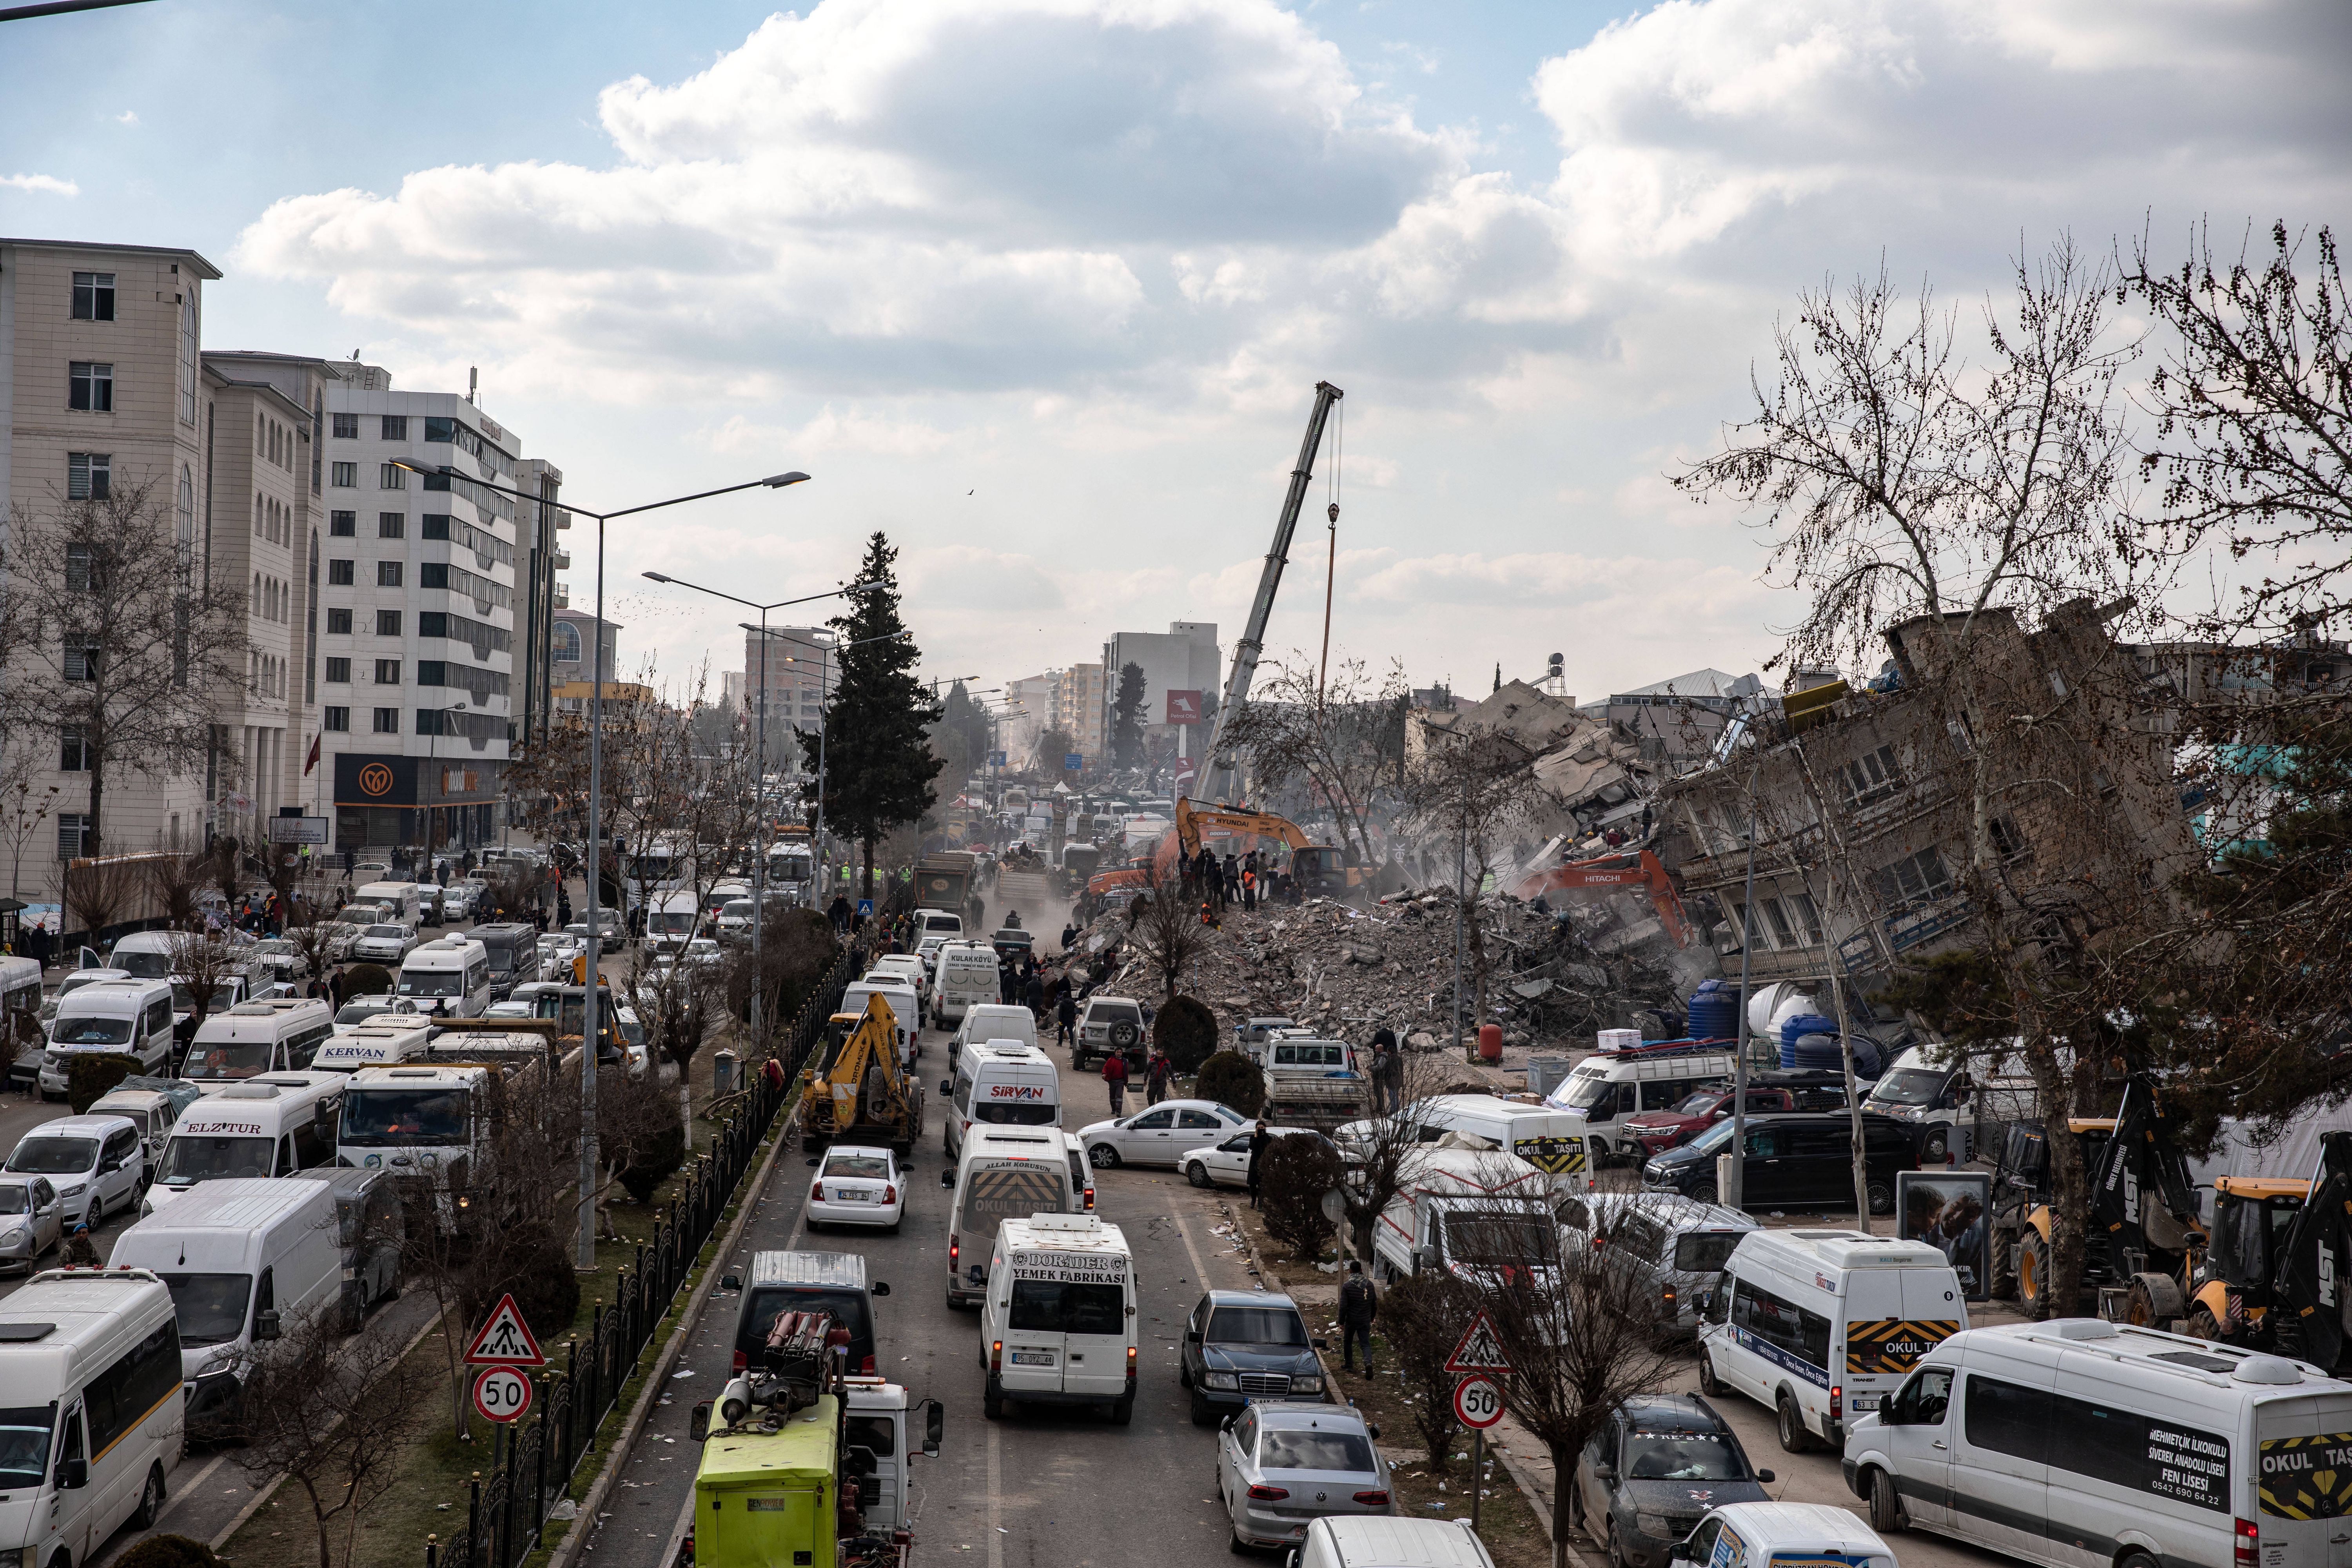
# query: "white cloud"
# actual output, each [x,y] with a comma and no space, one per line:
[44,184]
[128,117]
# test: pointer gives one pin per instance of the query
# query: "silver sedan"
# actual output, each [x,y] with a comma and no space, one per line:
[1281,1463]
[1159,1135]
[32,1220]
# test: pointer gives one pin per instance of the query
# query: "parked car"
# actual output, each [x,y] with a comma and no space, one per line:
[1796,1161]
[1245,1345]
[1280,1464]
[856,1184]
[1653,1471]
[1657,1129]
[383,943]
[1227,1163]
[1108,1024]
[97,1163]
[358,1010]
[1360,1540]
[284,959]
[1673,1247]
[32,1220]
[1161,1135]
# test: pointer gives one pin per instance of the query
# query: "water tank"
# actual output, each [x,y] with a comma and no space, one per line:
[1714,1012]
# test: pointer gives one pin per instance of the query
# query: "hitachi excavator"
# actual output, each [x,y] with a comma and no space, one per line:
[1318,868]
[855,1090]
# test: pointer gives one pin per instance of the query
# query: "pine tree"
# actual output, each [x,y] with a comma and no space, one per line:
[1127,717]
[879,763]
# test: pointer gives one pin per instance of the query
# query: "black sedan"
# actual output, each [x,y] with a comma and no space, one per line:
[1652,1472]
[1241,1345]
[1799,1160]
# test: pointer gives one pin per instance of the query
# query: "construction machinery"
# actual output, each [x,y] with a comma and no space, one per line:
[855,1089]
[1222,773]
[1640,870]
[2144,1238]
[2273,1279]
[1318,868]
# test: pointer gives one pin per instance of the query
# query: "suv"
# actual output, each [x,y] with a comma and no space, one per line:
[1108,1024]
[1673,1247]
[1653,1471]
[1246,1345]
[1656,1129]
[1803,1163]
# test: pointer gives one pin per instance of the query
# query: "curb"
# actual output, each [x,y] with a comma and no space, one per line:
[633,1425]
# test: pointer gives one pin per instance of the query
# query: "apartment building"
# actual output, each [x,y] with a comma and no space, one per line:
[796,674]
[1077,708]
[1182,662]
[422,586]
[539,555]
[101,389]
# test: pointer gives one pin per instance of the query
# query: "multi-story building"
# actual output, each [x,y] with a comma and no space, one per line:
[1183,660]
[734,690]
[1077,710]
[419,597]
[572,634]
[539,555]
[99,388]
[794,672]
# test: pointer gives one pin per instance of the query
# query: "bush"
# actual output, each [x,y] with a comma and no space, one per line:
[1421,1320]
[168,1551]
[1186,1031]
[367,979]
[1292,1174]
[1231,1078]
[92,1074]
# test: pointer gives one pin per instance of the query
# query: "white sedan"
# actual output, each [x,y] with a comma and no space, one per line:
[1226,1163]
[855,1185]
[1159,1135]
[383,944]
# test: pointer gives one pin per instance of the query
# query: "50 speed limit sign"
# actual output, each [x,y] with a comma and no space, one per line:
[1477,1403]
[502,1394]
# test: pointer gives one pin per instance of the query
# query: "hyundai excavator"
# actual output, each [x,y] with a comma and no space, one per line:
[1318,868]
[855,1089]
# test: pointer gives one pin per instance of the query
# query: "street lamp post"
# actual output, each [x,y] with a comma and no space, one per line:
[584,1256]
[433,757]
[760,746]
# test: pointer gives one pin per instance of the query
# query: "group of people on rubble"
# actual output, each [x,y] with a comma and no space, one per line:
[1246,880]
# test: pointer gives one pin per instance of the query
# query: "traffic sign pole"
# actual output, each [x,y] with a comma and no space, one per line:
[1477,1404]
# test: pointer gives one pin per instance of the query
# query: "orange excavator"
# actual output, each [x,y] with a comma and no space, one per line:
[1640,869]
[1318,868]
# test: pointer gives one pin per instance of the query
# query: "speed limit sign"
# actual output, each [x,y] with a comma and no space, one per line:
[502,1394]
[1477,1403]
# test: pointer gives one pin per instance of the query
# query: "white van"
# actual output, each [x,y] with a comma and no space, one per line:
[906,1009]
[994,1020]
[966,975]
[255,1038]
[1557,1142]
[243,1260]
[1002,1083]
[1006,1173]
[1058,1325]
[1758,1534]
[272,1126]
[399,899]
[1947,1102]
[449,978]
[1610,1086]
[98,1164]
[91,1363]
[146,954]
[1820,1325]
[121,1018]
[2078,1441]
[384,1040]
[1469,1212]
[674,919]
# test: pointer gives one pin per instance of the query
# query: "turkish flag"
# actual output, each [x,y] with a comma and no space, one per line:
[313,759]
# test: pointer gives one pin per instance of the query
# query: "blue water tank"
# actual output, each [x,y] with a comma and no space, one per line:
[1796,1028]
[1714,1012]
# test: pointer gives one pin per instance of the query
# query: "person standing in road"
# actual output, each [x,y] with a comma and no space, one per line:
[1032,993]
[1259,1139]
[1067,1014]
[1114,1073]
[1156,1076]
[1359,1305]
[1384,1069]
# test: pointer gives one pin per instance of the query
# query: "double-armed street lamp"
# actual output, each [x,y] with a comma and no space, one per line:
[585,1257]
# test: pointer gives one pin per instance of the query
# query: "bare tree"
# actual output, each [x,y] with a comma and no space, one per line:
[1165,924]
[678,1006]
[175,880]
[1342,737]
[1898,483]
[126,645]
[203,964]
[1472,797]
[333,1415]
[23,808]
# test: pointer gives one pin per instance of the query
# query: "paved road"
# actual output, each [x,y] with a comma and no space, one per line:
[1060,1487]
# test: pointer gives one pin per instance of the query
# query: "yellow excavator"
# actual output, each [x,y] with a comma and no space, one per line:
[1318,868]
[855,1089]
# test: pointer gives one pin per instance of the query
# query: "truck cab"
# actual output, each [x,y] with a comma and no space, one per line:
[782,1484]
[431,1123]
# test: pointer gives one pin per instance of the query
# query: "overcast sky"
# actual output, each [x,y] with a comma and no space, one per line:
[1042,287]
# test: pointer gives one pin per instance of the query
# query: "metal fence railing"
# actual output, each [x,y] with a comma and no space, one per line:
[536,1463]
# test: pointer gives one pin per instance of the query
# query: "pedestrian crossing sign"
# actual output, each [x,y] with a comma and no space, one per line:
[506,1339]
[1479,1350]
[865,908]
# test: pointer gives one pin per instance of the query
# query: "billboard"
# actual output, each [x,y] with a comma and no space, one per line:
[1183,707]
[378,779]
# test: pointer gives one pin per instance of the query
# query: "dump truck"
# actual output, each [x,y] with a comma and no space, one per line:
[856,1090]
[804,1465]
[945,882]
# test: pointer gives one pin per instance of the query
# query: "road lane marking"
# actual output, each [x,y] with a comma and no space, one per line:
[995,1501]
[1183,1234]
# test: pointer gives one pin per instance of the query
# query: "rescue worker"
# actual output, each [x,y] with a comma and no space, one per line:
[1156,1076]
[1259,1141]
[1067,1014]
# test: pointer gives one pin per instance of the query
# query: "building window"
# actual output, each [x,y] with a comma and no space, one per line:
[565,643]
[1914,877]
[339,574]
[71,827]
[432,672]
[2006,842]
[336,719]
[390,524]
[347,426]
[387,672]
[387,623]
[343,524]
[188,358]
[1868,777]
[395,426]
[90,476]
[391,476]
[81,662]
[387,573]
[1782,936]
[93,298]
[73,752]
[338,671]
[1807,918]
[344,475]
[338,622]
[429,722]
[91,387]
[387,720]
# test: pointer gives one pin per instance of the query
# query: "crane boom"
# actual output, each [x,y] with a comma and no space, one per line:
[1221,779]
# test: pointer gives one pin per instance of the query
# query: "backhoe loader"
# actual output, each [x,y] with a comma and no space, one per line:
[2273,1278]
[856,1090]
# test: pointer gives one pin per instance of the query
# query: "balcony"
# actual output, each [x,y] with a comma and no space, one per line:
[562,559]
[562,598]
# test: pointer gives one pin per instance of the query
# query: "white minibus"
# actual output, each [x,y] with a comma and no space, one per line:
[272,1126]
[1006,1173]
[255,1038]
[449,978]
[121,1018]
[1002,1083]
